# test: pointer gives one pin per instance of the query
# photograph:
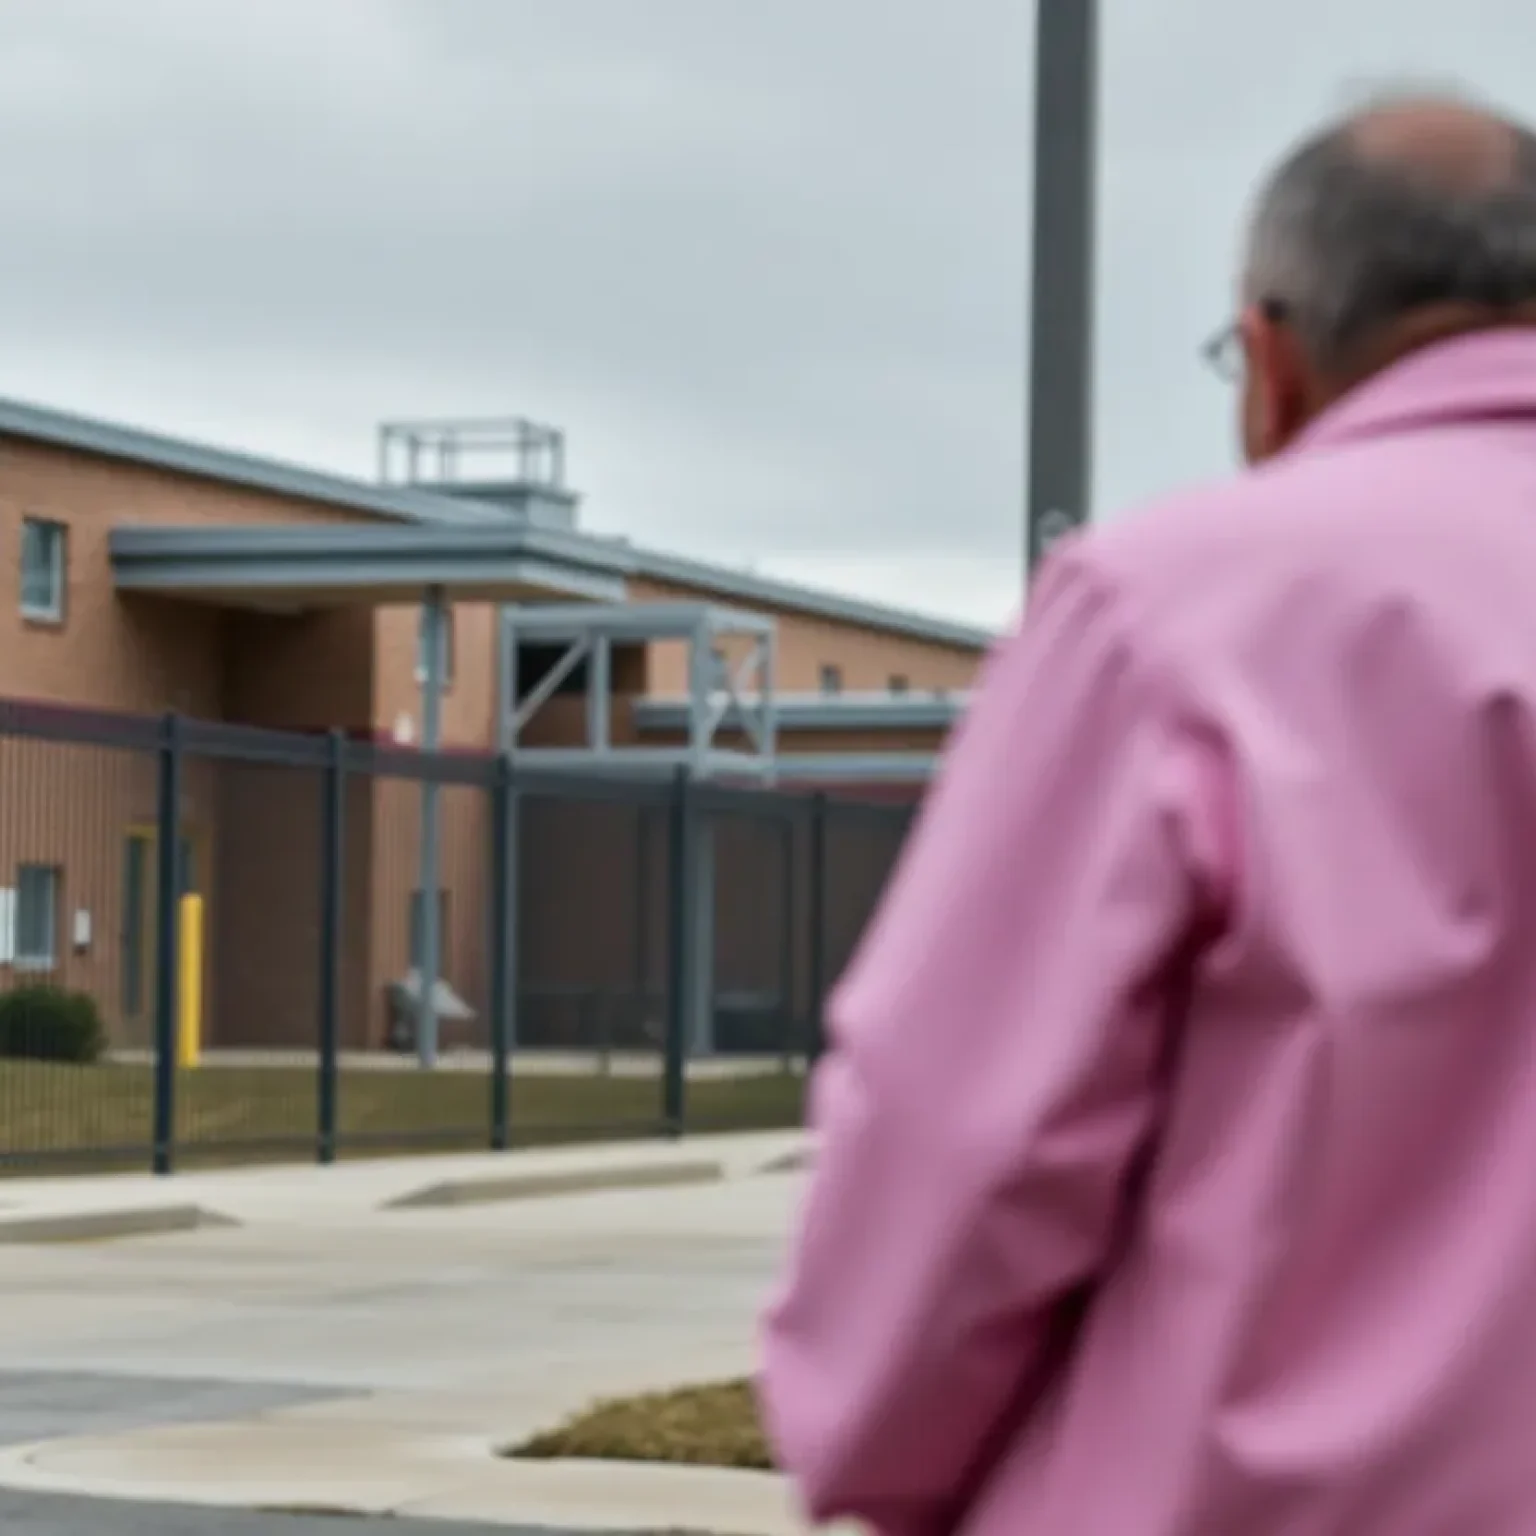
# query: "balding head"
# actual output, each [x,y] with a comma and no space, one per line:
[1413,202]
[1458,148]
[1405,223]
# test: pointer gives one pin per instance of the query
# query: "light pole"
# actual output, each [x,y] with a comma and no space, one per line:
[1060,422]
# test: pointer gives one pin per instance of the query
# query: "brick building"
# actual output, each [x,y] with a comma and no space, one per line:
[154,576]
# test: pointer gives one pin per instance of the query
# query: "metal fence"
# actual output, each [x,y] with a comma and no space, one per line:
[239,914]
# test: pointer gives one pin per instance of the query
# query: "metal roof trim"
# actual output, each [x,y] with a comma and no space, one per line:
[813,600]
[274,477]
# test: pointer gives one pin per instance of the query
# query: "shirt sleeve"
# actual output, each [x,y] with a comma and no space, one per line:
[994,1068]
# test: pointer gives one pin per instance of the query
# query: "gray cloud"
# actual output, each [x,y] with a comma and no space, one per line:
[766,263]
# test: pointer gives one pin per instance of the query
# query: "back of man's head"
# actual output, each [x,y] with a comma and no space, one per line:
[1412,202]
[1410,219]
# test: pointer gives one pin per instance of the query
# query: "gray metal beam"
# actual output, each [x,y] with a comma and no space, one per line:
[588,632]
[822,712]
[552,623]
[545,689]
[792,767]
[599,693]
[507,683]
[641,762]
[701,980]
[1062,291]
[434,635]
[768,699]
[701,665]
[856,767]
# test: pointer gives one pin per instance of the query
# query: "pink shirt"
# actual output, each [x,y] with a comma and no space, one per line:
[1177,1169]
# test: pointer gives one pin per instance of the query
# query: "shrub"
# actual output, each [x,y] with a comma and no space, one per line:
[43,1023]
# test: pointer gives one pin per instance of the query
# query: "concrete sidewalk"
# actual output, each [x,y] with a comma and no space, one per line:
[82,1209]
[424,1456]
[406,1340]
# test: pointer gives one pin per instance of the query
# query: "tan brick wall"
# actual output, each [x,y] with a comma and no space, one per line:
[257,829]
[71,807]
[305,672]
[468,703]
[145,655]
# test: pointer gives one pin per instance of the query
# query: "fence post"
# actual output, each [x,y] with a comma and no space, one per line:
[332,887]
[167,941]
[789,1041]
[816,917]
[682,931]
[504,967]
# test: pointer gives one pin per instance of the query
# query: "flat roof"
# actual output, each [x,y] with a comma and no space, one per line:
[418,505]
[299,566]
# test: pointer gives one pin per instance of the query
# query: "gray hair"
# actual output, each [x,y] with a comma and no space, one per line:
[1343,243]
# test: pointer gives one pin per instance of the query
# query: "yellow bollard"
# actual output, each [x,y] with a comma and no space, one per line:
[189,1026]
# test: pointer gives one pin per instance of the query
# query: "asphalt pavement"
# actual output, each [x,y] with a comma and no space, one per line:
[47,1405]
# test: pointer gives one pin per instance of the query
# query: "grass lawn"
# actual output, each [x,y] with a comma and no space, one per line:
[48,1109]
[711,1426]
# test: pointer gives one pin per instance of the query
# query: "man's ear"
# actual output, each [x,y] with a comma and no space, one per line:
[1277,388]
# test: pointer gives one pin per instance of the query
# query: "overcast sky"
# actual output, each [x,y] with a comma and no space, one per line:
[764,260]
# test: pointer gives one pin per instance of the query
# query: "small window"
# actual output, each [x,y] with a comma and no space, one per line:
[36,943]
[831,679]
[899,684]
[42,570]
[448,647]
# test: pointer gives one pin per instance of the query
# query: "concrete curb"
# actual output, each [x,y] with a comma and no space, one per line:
[615,1496]
[537,1184]
[801,1160]
[107,1225]
[460,1480]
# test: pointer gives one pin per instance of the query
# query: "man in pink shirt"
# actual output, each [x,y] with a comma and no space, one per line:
[1177,1145]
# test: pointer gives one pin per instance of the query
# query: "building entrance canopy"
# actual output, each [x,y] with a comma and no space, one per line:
[293,569]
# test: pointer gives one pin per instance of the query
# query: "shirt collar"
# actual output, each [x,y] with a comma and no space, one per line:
[1484,376]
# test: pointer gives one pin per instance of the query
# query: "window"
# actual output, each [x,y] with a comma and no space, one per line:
[831,679]
[36,944]
[421,647]
[898,684]
[42,569]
